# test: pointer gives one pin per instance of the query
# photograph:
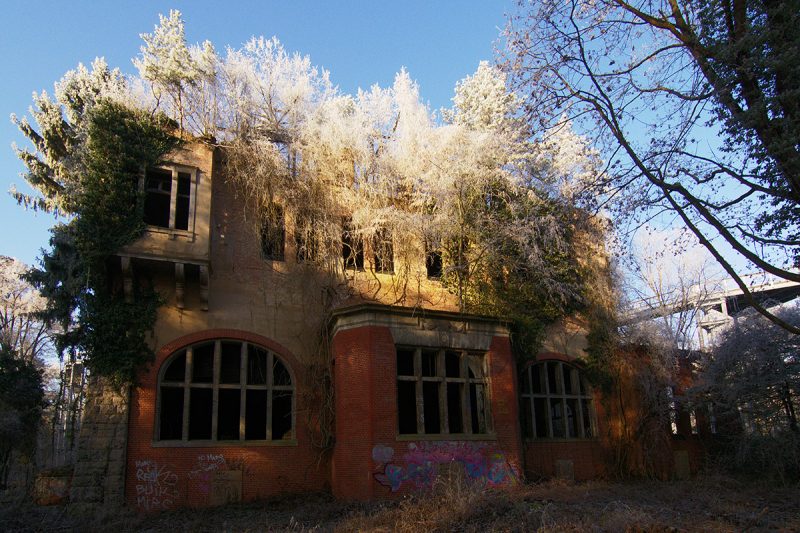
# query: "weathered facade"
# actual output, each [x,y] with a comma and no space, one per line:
[263,384]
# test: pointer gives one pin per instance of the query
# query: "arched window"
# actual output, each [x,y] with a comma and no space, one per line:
[556,402]
[225,391]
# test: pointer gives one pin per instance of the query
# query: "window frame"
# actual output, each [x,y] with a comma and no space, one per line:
[443,380]
[175,170]
[186,385]
[584,393]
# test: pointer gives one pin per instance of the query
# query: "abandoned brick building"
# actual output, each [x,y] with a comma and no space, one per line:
[234,406]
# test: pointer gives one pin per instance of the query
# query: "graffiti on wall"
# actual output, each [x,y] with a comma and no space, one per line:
[220,481]
[156,486]
[425,462]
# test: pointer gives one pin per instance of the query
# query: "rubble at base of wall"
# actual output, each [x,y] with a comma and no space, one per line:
[99,475]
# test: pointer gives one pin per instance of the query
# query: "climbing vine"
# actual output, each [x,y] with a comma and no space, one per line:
[92,176]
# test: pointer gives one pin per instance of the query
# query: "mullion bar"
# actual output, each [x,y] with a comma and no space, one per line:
[187,380]
[270,363]
[440,374]
[418,379]
[243,387]
[466,412]
[173,197]
[215,389]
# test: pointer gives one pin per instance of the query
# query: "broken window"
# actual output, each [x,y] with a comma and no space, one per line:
[168,197]
[556,402]
[673,411]
[383,251]
[352,247]
[225,390]
[441,392]
[273,233]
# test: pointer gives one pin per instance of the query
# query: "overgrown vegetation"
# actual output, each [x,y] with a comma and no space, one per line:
[21,404]
[24,342]
[90,152]
[467,184]
[752,380]
[710,503]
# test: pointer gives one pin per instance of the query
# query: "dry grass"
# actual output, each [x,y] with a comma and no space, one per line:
[705,504]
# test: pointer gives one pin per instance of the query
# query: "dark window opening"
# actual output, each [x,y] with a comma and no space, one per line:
[383,251]
[228,414]
[352,248]
[236,390]
[305,240]
[200,402]
[203,364]
[556,402]
[171,413]
[430,403]
[273,233]
[407,407]
[433,260]
[176,371]
[434,396]
[282,415]
[256,415]
[182,201]
[157,197]
[454,412]
[231,355]
[405,362]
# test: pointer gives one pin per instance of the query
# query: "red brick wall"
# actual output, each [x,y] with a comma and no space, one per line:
[166,477]
[371,462]
[541,457]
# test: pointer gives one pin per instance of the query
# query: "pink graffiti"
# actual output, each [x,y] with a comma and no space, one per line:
[419,465]
[155,486]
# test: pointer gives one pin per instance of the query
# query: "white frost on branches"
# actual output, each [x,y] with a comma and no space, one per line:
[20,331]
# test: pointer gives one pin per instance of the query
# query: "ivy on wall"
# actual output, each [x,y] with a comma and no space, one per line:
[97,181]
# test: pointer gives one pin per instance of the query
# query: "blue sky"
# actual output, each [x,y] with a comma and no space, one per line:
[360,43]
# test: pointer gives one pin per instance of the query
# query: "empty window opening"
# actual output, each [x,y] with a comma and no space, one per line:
[556,402]
[157,194]
[225,390]
[441,392]
[273,233]
[168,194]
[433,259]
[673,411]
[352,247]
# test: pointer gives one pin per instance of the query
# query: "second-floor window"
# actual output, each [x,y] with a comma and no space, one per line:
[273,233]
[383,251]
[168,197]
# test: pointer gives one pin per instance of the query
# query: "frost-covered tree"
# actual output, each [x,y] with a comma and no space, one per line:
[22,332]
[469,185]
[24,341]
[752,381]
[167,63]
[755,370]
